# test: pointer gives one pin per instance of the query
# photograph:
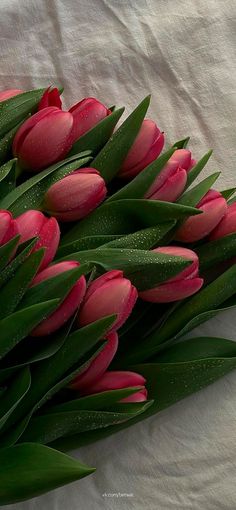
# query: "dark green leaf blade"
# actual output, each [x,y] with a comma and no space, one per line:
[15,392]
[196,170]
[7,177]
[6,252]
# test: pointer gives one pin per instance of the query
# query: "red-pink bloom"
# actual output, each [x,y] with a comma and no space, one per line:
[140,396]
[146,148]
[213,207]
[7,94]
[70,304]
[184,284]
[86,114]
[98,366]
[227,225]
[43,139]
[184,159]
[76,195]
[169,184]
[8,227]
[116,380]
[51,97]
[109,294]
[35,224]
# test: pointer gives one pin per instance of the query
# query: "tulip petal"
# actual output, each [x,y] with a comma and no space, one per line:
[173,291]
[113,380]
[197,227]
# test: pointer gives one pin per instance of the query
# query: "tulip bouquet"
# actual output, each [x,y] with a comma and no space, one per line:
[109,257]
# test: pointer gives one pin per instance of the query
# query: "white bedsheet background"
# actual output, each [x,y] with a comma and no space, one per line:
[183,52]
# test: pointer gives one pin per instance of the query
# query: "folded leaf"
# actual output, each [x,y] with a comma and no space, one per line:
[127,216]
[7,177]
[194,195]
[196,170]
[14,394]
[28,470]
[20,257]
[182,144]
[227,193]
[15,109]
[7,251]
[111,157]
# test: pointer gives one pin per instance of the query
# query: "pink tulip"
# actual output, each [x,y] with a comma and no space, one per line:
[213,207]
[70,304]
[186,283]
[227,225]
[51,97]
[43,139]
[147,146]
[184,159]
[116,380]
[86,114]
[140,396]
[169,184]
[7,94]
[109,294]
[98,366]
[8,227]
[76,195]
[35,224]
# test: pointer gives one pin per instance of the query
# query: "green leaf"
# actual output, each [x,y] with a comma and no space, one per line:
[86,243]
[127,216]
[227,193]
[7,251]
[111,157]
[28,470]
[15,109]
[144,268]
[95,139]
[138,187]
[15,392]
[7,177]
[142,239]
[11,268]
[17,326]
[57,287]
[94,402]
[55,372]
[188,369]
[6,143]
[196,170]
[206,300]
[182,144]
[194,195]
[13,291]
[217,251]
[50,427]
[30,194]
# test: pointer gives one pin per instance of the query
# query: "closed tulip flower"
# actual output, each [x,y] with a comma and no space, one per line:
[184,159]
[86,114]
[7,94]
[117,380]
[227,225]
[145,149]
[8,227]
[70,304]
[35,224]
[51,97]
[43,139]
[109,294]
[186,283]
[213,207]
[98,366]
[76,195]
[169,184]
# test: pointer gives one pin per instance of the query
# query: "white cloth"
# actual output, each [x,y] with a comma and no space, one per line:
[183,52]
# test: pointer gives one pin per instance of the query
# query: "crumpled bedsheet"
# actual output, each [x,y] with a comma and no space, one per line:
[183,52]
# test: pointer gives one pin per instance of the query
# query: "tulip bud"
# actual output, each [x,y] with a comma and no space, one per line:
[227,225]
[70,304]
[140,396]
[7,94]
[109,294]
[98,366]
[76,195]
[35,224]
[213,207]
[184,159]
[8,227]
[43,139]
[169,184]
[146,148]
[86,114]
[186,283]
[116,380]
[51,97]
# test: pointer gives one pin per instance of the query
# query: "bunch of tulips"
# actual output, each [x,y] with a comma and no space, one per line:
[108,257]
